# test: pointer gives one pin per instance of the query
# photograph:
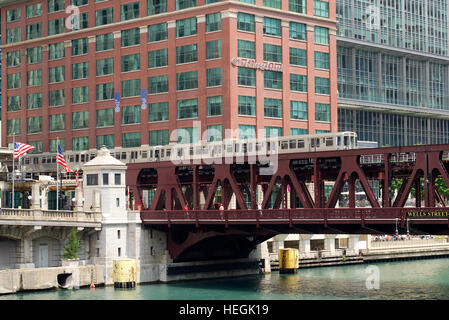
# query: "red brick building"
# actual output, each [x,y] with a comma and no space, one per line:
[131,72]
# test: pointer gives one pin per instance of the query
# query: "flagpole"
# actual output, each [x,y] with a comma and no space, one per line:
[13,173]
[57,177]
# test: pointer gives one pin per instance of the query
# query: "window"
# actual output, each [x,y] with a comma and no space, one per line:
[322,112]
[131,88]
[56,122]
[117,179]
[104,16]
[80,143]
[106,179]
[187,80]
[80,70]
[322,85]
[321,35]
[130,140]
[34,125]
[213,22]
[297,31]
[80,3]
[105,66]
[129,11]
[80,46]
[187,135]
[298,110]
[214,132]
[53,146]
[272,52]
[105,117]
[56,74]
[34,77]
[34,55]
[104,42]
[185,27]
[80,95]
[56,5]
[247,105]
[158,84]
[158,32]
[187,108]
[92,179]
[214,106]
[246,22]
[56,26]
[272,3]
[33,31]
[13,58]
[272,79]
[131,114]
[321,8]
[158,137]
[213,49]
[80,120]
[105,140]
[247,131]
[184,4]
[272,108]
[246,77]
[185,54]
[271,132]
[158,111]
[13,15]
[298,132]
[131,62]
[13,35]
[104,91]
[56,51]
[13,103]
[56,98]
[83,21]
[214,77]
[13,81]
[158,58]
[34,10]
[37,147]
[130,37]
[298,82]
[34,100]
[298,57]
[321,60]
[13,127]
[118,234]
[298,6]
[272,26]
[247,1]
[156,7]
[246,49]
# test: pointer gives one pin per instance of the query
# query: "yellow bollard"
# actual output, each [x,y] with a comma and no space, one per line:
[288,261]
[124,273]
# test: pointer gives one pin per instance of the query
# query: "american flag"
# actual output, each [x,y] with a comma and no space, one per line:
[21,148]
[60,159]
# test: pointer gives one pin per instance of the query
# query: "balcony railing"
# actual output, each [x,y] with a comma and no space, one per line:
[38,215]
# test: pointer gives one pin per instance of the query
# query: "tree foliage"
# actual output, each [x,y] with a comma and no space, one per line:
[72,246]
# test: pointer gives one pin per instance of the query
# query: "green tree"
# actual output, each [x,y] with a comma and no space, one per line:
[72,246]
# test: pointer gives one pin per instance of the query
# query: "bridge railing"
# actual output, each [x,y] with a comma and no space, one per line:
[15,215]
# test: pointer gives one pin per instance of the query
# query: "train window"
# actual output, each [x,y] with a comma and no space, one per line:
[156,154]
[71,158]
[162,153]
[53,159]
[27,160]
[292,144]
[250,147]
[245,148]
[205,150]
[236,147]
[77,157]
[44,160]
[258,146]
[300,143]
[352,141]
[268,145]
[35,160]
[229,148]
[180,152]
[318,143]
[338,141]
[168,152]
[191,151]
[346,140]
[218,149]
[284,145]
[82,158]
[312,143]
[151,153]
[329,142]
[144,154]
[123,155]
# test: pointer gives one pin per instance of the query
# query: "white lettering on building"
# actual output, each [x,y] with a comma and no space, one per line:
[249,63]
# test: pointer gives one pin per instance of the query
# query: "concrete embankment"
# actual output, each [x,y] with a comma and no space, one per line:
[15,280]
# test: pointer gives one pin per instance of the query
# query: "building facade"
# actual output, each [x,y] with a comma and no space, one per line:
[393,79]
[127,74]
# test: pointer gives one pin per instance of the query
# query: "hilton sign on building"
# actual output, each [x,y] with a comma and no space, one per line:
[136,71]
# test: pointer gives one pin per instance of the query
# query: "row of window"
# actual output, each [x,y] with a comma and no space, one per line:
[162,137]
[186,109]
[184,27]
[132,10]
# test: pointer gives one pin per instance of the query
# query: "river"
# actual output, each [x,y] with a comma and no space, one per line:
[412,280]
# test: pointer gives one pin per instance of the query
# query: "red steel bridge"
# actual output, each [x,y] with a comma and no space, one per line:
[287,205]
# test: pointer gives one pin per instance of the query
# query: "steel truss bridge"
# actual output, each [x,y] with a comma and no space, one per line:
[287,205]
